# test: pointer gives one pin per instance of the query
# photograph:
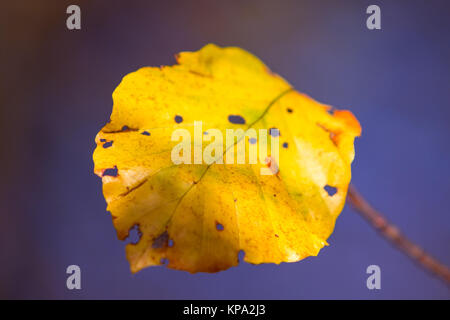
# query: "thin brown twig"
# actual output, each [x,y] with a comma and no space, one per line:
[393,234]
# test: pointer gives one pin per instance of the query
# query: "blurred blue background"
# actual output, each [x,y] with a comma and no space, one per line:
[56,93]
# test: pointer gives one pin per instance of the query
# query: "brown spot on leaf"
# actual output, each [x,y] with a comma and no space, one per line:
[161,240]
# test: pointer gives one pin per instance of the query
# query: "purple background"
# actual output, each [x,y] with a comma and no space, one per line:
[56,92]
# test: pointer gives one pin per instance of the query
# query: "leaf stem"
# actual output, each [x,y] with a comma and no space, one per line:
[393,234]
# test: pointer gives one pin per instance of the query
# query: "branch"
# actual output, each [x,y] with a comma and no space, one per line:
[391,233]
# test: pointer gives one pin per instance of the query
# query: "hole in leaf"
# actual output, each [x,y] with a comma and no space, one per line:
[285,145]
[274,132]
[161,240]
[331,190]
[236,119]
[112,172]
[219,226]
[134,235]
[145,133]
[252,140]
[127,128]
[107,144]
[241,255]
[170,243]
[164,261]
[102,140]
[178,119]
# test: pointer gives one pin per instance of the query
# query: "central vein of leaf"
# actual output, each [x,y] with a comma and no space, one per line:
[271,103]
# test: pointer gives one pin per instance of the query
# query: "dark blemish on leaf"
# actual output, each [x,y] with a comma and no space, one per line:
[127,128]
[331,190]
[274,132]
[129,190]
[285,145]
[276,235]
[272,166]
[332,135]
[124,129]
[200,74]
[170,243]
[112,172]
[289,110]
[333,138]
[219,226]
[274,195]
[241,255]
[145,133]
[161,240]
[205,133]
[178,119]
[107,144]
[235,200]
[252,140]
[236,119]
[322,127]
[134,234]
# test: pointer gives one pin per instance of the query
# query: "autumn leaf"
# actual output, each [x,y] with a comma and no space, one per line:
[198,217]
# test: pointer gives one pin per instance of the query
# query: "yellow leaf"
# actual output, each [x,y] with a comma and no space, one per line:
[198,217]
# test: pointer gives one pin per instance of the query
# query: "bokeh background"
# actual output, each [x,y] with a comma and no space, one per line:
[56,90]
